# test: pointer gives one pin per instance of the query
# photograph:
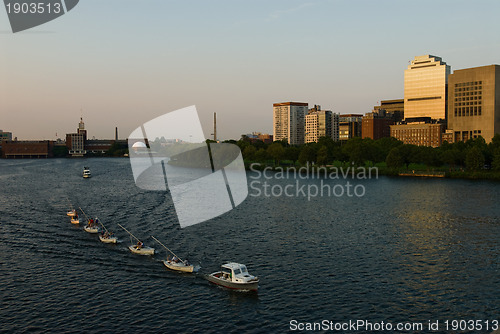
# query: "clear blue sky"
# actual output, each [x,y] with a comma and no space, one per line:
[125,62]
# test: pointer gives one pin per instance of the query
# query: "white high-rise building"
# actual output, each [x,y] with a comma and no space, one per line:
[289,122]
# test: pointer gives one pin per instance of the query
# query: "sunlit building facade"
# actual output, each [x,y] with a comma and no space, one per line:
[289,122]
[318,124]
[425,88]
[474,103]
[419,133]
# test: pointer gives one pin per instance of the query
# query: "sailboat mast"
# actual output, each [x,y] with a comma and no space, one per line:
[129,233]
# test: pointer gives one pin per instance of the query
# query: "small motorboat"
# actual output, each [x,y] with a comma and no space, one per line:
[141,250]
[234,276]
[86,172]
[71,213]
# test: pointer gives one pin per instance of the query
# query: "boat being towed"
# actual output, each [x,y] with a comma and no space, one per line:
[138,248]
[234,276]
[92,224]
[106,236]
[176,263]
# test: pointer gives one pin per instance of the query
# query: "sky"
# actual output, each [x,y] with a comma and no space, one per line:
[121,63]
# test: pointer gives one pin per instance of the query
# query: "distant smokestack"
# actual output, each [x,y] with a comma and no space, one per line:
[116,133]
[215,126]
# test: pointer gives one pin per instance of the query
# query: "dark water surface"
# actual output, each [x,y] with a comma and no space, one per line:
[409,250]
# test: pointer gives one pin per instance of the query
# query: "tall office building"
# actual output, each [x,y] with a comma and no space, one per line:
[425,88]
[318,124]
[289,122]
[474,103]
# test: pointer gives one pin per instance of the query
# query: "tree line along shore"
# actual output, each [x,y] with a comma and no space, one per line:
[474,159]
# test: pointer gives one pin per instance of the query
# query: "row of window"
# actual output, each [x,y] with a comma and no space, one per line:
[468,111]
[471,83]
[469,93]
[468,98]
[461,104]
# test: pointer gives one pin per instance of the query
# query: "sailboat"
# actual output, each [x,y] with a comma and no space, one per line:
[92,226]
[176,263]
[72,213]
[75,220]
[138,248]
[107,237]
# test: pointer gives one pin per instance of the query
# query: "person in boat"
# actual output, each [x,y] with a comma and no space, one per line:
[139,245]
[186,262]
[175,259]
[96,221]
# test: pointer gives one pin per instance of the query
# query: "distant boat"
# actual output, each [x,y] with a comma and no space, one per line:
[234,276]
[86,172]
[138,248]
[71,213]
[176,263]
[75,220]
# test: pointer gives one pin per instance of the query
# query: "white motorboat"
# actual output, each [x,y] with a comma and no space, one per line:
[176,263]
[139,248]
[234,276]
[86,172]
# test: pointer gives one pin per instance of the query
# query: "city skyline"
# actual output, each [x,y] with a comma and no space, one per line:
[125,69]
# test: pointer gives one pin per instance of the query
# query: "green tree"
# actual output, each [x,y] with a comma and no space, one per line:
[451,157]
[495,164]
[307,154]
[474,159]
[261,155]
[249,152]
[322,155]
[276,151]
[292,153]
[394,158]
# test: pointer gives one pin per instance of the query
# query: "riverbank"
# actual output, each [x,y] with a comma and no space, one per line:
[377,169]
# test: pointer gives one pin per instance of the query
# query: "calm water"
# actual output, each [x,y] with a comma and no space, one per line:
[409,250]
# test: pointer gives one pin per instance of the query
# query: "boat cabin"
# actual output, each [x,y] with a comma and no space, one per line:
[235,272]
